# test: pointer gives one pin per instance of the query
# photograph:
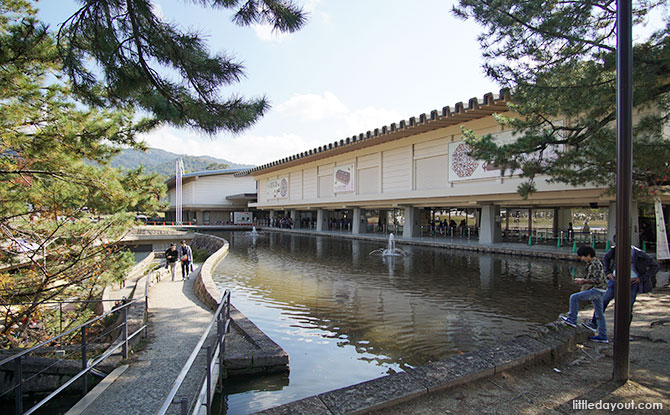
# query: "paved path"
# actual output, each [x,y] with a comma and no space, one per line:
[177,319]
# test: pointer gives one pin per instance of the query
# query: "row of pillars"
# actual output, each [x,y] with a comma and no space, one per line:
[489,222]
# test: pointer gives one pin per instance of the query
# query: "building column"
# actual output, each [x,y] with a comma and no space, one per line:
[198,216]
[634,220]
[294,218]
[320,218]
[356,221]
[562,220]
[411,226]
[490,232]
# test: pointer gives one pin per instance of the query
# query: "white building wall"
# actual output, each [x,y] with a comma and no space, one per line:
[211,191]
[187,193]
[295,185]
[309,183]
[326,180]
[412,168]
[396,170]
[431,161]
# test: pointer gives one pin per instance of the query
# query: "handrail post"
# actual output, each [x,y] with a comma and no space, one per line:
[182,405]
[125,333]
[208,350]
[219,340]
[146,305]
[60,316]
[18,388]
[84,362]
[227,307]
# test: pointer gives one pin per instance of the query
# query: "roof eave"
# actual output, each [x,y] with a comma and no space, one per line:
[437,119]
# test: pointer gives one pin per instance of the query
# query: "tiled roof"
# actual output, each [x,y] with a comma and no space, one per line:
[475,109]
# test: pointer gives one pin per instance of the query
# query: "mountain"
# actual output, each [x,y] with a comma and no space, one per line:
[163,162]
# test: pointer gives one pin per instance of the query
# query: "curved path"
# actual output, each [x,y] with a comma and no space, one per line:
[177,319]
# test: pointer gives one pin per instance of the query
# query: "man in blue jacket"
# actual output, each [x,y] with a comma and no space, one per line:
[643,269]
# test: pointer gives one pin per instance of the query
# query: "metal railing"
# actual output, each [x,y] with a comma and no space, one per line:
[467,232]
[552,236]
[214,355]
[87,366]
[60,306]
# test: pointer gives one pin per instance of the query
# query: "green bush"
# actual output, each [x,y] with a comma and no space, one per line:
[200,255]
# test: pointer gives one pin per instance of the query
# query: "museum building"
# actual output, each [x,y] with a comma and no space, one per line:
[415,178]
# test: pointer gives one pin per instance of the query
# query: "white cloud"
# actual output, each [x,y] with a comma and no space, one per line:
[321,119]
[244,149]
[369,118]
[327,107]
[313,106]
[310,5]
[266,33]
[325,17]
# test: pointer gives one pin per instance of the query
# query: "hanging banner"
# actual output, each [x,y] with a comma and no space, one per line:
[343,178]
[662,251]
[278,188]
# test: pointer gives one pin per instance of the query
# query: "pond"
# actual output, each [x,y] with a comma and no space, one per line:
[345,316]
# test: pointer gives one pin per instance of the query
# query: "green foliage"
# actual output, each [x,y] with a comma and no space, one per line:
[559,60]
[151,63]
[163,162]
[50,248]
[199,255]
[217,166]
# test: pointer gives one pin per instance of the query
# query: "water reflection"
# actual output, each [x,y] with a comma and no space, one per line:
[344,316]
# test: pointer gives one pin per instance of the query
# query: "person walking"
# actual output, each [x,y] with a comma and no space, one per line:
[171,258]
[186,260]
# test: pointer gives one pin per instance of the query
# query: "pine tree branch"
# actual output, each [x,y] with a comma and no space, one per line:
[547,32]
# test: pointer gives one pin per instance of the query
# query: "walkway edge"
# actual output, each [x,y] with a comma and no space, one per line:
[204,286]
[547,344]
[90,397]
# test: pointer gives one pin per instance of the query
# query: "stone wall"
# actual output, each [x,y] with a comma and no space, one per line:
[204,286]
[547,344]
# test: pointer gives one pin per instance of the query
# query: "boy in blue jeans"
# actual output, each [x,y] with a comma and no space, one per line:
[593,289]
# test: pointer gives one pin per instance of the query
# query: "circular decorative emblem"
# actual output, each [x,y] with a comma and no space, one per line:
[461,163]
[283,188]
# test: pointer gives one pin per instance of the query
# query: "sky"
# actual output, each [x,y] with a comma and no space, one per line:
[355,66]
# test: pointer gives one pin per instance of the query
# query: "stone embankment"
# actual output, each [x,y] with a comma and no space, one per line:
[547,344]
[248,349]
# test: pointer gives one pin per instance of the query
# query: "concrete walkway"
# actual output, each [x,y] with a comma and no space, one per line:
[177,319]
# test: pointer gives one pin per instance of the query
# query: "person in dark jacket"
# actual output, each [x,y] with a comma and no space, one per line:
[171,257]
[643,269]
[186,260]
